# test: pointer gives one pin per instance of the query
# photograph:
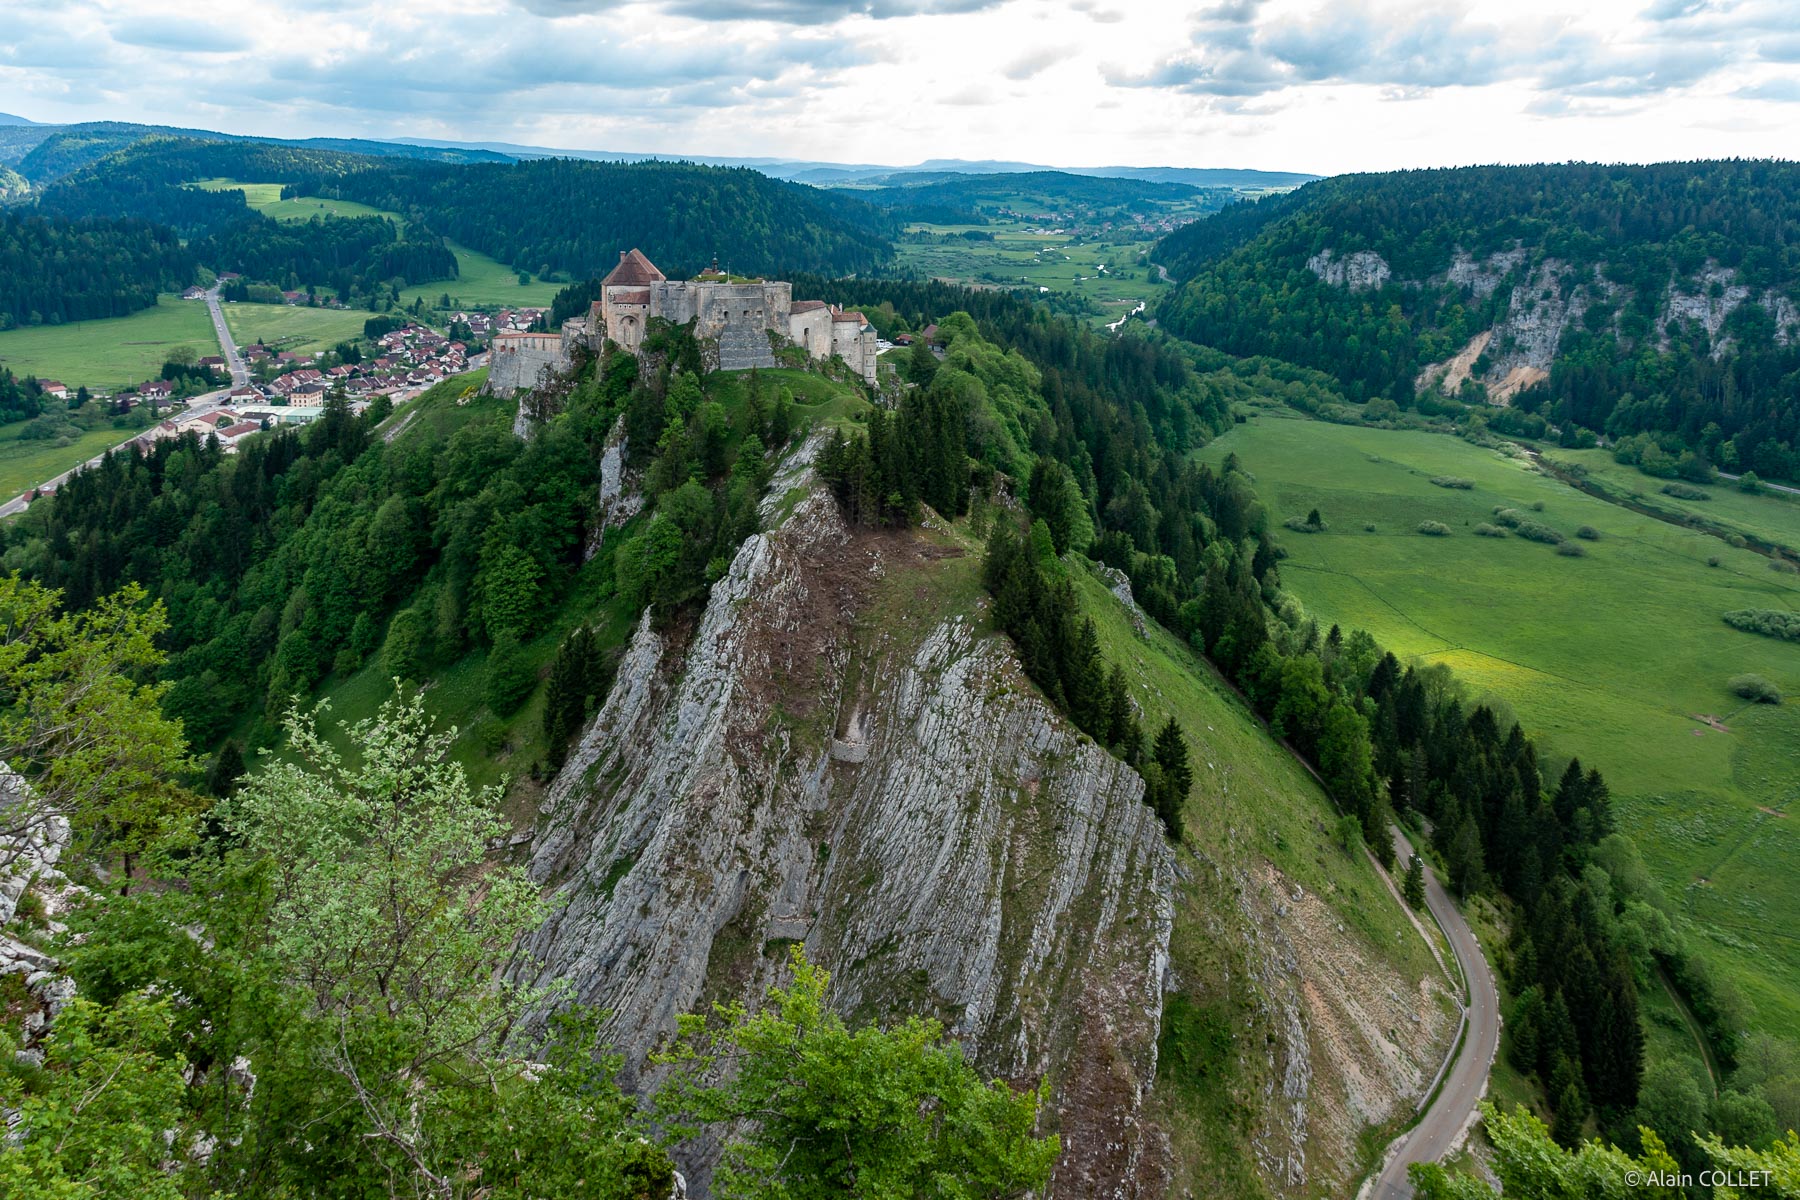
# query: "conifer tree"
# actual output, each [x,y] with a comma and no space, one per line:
[1414,888]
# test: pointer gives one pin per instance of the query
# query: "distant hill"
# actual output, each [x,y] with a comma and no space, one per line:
[10,119]
[950,197]
[1659,300]
[44,153]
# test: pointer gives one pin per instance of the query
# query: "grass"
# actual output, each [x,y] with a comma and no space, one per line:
[1251,800]
[25,464]
[112,353]
[293,327]
[1021,256]
[1610,657]
[1773,517]
[483,282]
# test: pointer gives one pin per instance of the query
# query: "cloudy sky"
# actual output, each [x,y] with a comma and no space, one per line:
[1277,84]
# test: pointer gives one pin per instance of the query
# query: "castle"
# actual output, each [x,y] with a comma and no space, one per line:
[739,317]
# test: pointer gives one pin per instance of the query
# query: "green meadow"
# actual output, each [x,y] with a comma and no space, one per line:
[1020,256]
[1773,517]
[293,327]
[113,352]
[26,462]
[1619,656]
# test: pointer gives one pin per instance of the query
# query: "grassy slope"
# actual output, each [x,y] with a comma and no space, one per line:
[113,352]
[1774,517]
[293,327]
[1608,657]
[25,464]
[1250,799]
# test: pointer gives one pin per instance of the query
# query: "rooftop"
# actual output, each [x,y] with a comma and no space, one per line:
[633,268]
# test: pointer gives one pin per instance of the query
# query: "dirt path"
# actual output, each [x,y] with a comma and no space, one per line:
[1693,1026]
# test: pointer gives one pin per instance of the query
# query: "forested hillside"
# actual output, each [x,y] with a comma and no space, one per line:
[53,271]
[562,216]
[1619,299]
[948,197]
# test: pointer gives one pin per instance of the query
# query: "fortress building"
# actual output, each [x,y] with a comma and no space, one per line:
[739,316]
[745,319]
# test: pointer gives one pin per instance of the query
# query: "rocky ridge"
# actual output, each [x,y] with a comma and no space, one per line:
[826,758]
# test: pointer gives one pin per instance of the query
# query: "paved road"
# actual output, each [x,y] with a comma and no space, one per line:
[240,374]
[1430,1139]
[1773,487]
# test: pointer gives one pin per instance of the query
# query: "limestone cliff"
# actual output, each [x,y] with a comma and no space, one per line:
[839,752]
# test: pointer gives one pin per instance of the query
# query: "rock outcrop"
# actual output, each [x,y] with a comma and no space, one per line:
[825,758]
[1362,271]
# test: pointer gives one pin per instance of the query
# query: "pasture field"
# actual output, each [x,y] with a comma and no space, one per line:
[1618,657]
[1770,516]
[482,282]
[293,327]
[1021,256]
[113,352]
[26,463]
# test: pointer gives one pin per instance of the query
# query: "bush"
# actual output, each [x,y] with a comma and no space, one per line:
[1784,566]
[1451,481]
[1588,533]
[1755,689]
[1525,527]
[1712,560]
[1434,529]
[1748,482]
[1488,530]
[1369,527]
[1300,526]
[509,677]
[1537,506]
[1571,550]
[1685,491]
[1770,622]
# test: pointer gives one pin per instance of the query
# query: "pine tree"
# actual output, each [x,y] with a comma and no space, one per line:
[1414,888]
[1175,778]
[227,769]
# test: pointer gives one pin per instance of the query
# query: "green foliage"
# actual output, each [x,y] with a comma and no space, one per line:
[1682,491]
[1529,1163]
[54,271]
[91,1125]
[1755,689]
[1774,623]
[508,677]
[1453,482]
[834,1112]
[1413,887]
[579,679]
[1434,529]
[89,738]
[404,652]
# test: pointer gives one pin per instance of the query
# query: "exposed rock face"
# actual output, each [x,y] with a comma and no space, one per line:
[1362,271]
[619,500]
[1483,278]
[895,794]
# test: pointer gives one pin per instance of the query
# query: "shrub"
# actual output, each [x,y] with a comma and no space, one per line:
[1369,527]
[1537,506]
[1770,622]
[1712,560]
[1685,491]
[1736,541]
[1525,527]
[1588,533]
[1748,482]
[1434,529]
[1571,550]
[1451,481]
[1301,526]
[509,677]
[1755,689]
[1487,530]
[1784,566]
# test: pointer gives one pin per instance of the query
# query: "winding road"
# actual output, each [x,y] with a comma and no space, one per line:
[1466,1081]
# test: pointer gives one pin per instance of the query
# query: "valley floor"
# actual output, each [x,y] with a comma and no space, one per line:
[1619,656]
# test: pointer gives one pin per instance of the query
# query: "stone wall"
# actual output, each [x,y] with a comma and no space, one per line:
[519,361]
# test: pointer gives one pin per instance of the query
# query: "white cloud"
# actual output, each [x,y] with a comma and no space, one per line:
[1294,84]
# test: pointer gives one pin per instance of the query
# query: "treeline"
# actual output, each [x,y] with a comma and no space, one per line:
[953,198]
[358,257]
[1620,371]
[558,216]
[354,256]
[55,271]
[1107,480]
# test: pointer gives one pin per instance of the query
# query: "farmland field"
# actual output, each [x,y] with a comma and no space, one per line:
[113,352]
[266,199]
[1616,656]
[25,464]
[293,327]
[1773,517]
[1022,256]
